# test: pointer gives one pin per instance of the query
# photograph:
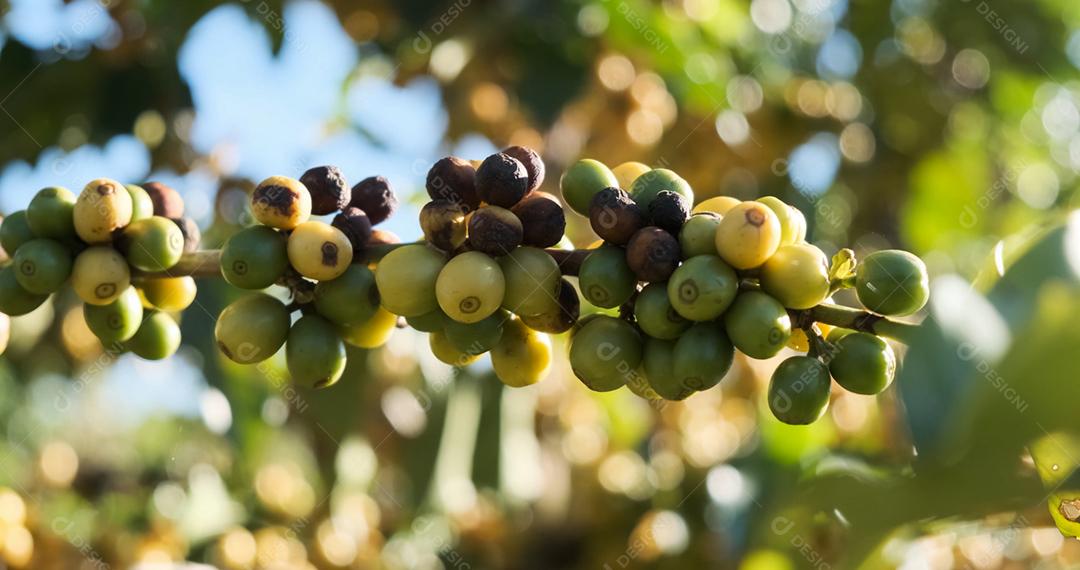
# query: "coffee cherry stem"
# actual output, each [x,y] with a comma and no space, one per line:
[842,283]
[206,263]
[855,319]
[819,347]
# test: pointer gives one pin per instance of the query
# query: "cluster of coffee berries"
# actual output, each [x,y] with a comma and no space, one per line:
[315,260]
[106,242]
[676,288]
[482,281]
[696,283]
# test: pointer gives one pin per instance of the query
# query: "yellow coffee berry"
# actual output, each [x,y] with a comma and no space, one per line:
[281,202]
[470,287]
[522,356]
[717,205]
[319,251]
[103,207]
[100,274]
[797,275]
[627,172]
[371,333]
[748,235]
[170,294]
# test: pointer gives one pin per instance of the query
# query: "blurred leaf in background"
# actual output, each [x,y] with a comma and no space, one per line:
[948,128]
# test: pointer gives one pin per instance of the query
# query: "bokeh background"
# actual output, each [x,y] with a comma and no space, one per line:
[950,128]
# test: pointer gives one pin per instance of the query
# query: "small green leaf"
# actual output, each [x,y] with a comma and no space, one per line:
[842,270]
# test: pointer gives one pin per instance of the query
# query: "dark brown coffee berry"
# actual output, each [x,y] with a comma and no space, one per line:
[167,201]
[375,197]
[494,231]
[190,230]
[669,211]
[329,191]
[560,318]
[502,180]
[356,226]
[453,179]
[534,165]
[543,220]
[614,216]
[653,254]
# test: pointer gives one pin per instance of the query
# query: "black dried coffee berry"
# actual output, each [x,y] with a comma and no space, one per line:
[375,197]
[502,180]
[614,215]
[454,179]
[543,220]
[669,211]
[356,225]
[329,191]
[167,201]
[534,165]
[494,231]
[190,230]
[652,254]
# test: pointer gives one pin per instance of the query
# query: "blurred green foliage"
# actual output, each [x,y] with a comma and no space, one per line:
[954,135]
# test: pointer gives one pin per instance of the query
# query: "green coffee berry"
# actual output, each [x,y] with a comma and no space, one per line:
[51,214]
[254,258]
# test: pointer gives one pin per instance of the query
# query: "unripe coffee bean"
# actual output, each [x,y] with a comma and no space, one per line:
[254,258]
[157,339]
[329,191]
[51,214]
[42,266]
[502,180]
[314,352]
[653,254]
[14,299]
[252,329]
[118,321]
[142,206]
[15,231]
[543,221]
[454,179]
[614,216]
[153,244]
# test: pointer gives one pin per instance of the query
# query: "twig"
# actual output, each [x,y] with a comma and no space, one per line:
[855,319]
[207,263]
